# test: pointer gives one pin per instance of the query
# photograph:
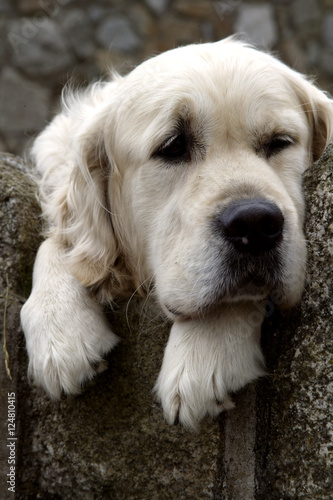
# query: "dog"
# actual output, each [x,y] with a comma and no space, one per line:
[183,180]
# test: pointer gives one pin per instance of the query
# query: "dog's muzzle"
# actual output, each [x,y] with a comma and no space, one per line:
[248,259]
[250,232]
[252,226]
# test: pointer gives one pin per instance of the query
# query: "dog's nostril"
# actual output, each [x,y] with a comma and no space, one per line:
[272,224]
[252,225]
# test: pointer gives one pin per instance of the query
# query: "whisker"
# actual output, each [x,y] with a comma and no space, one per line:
[151,290]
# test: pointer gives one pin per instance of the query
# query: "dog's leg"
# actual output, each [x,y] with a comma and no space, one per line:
[66,332]
[207,358]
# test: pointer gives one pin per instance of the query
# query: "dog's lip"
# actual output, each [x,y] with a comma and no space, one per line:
[173,313]
[200,312]
[248,292]
[177,314]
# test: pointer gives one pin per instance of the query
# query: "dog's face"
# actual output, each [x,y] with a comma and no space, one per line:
[208,145]
[183,178]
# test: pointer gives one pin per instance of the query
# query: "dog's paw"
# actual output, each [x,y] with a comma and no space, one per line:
[187,400]
[204,360]
[66,341]
[190,384]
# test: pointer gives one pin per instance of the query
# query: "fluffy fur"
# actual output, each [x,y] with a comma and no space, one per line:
[133,175]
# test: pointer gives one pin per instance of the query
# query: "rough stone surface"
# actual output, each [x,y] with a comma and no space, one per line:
[238,439]
[295,432]
[20,237]
[20,225]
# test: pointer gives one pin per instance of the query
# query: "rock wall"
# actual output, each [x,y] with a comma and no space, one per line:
[295,404]
[112,443]
[19,228]
[45,42]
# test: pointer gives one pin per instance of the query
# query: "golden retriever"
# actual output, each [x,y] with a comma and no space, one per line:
[184,179]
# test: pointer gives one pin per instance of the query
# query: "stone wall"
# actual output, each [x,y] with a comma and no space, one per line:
[45,42]
[112,443]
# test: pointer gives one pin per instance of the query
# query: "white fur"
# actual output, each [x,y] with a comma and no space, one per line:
[67,332]
[120,219]
[207,359]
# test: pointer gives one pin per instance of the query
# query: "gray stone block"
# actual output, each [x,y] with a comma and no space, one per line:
[24,104]
[79,32]
[257,22]
[20,237]
[328,29]
[39,46]
[294,412]
[116,33]
[157,6]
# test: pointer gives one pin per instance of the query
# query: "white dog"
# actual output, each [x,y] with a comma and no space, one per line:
[183,178]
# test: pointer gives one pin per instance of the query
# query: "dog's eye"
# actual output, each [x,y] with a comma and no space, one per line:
[277,144]
[175,148]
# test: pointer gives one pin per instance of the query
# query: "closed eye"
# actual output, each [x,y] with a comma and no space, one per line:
[176,148]
[276,144]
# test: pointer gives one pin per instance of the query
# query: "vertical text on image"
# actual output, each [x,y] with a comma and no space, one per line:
[11,442]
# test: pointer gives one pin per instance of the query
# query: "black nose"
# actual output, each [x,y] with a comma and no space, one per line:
[252,225]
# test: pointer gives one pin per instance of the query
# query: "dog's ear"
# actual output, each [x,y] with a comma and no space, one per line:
[318,108]
[94,255]
[321,112]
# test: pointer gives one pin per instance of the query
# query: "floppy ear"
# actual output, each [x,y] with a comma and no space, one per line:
[322,123]
[318,108]
[94,255]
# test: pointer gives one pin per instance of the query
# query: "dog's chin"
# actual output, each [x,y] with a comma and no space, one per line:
[249,292]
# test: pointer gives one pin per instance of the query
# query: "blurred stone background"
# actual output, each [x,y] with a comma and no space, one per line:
[44,43]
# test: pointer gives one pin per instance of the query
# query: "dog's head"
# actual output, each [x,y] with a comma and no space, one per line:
[198,155]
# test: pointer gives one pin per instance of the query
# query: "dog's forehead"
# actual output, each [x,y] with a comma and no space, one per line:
[191,55]
[223,88]
[213,60]
[222,71]
[223,78]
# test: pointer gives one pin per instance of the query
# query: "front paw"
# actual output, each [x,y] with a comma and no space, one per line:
[66,341]
[190,384]
[187,400]
[204,360]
